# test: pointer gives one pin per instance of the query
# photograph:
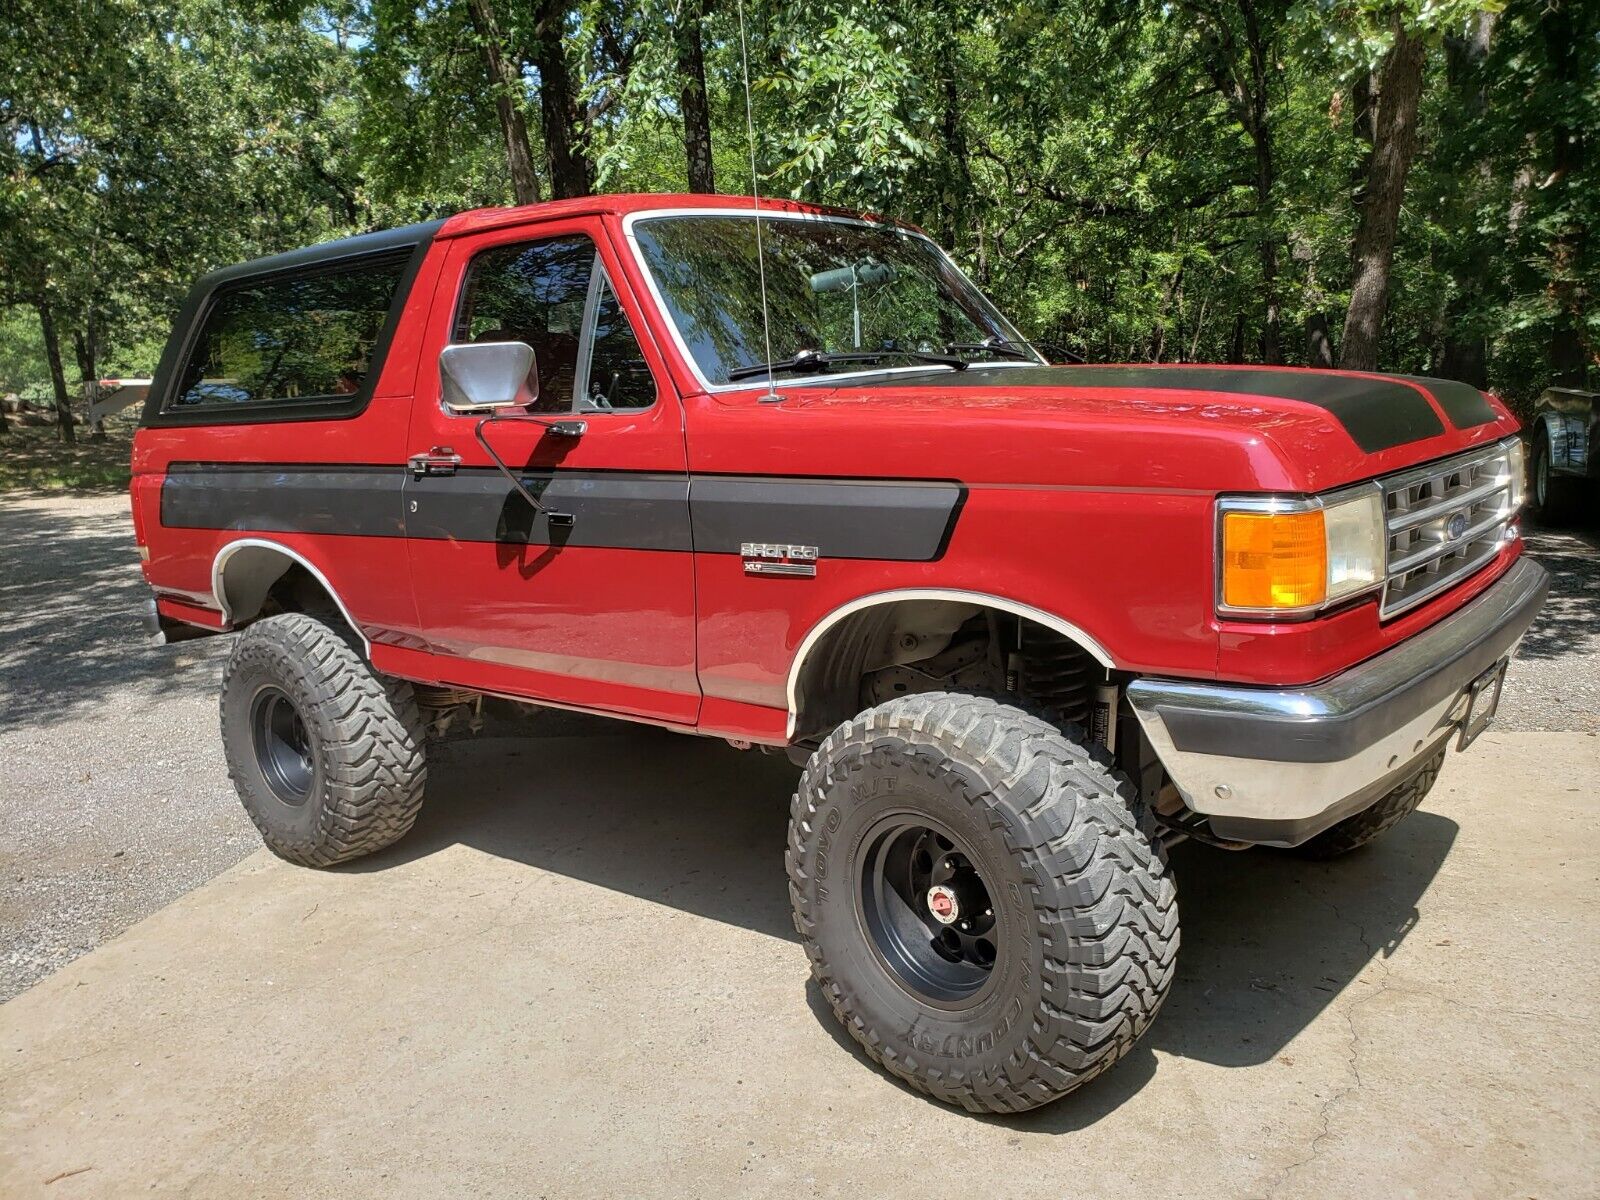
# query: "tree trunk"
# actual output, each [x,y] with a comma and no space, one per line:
[1570,353]
[1319,342]
[1363,127]
[58,376]
[692,98]
[506,83]
[1271,332]
[1260,129]
[571,173]
[83,345]
[1465,356]
[1236,340]
[1394,144]
[956,187]
[1464,352]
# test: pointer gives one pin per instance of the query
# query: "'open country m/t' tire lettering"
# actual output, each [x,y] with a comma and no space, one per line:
[983,901]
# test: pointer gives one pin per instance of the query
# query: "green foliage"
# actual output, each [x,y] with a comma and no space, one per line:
[1138,181]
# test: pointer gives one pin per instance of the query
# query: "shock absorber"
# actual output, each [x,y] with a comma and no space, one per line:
[1103,721]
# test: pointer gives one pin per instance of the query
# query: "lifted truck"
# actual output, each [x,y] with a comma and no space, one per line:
[783,476]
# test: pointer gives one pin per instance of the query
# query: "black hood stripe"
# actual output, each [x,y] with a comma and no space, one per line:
[1379,413]
[1464,404]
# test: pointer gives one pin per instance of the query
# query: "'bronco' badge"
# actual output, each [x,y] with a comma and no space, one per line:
[774,558]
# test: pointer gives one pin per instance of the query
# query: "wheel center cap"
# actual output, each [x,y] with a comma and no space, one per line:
[942,904]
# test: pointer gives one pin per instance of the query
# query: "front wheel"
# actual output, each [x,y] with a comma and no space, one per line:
[325,753]
[983,901]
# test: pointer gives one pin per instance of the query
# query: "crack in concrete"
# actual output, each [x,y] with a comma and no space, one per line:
[1353,1052]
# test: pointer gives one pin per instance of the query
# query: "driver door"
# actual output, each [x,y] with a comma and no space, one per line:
[598,612]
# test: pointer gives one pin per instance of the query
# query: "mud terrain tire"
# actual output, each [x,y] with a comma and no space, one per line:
[325,753]
[1084,913]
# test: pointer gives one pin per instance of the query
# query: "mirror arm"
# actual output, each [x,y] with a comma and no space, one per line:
[559,429]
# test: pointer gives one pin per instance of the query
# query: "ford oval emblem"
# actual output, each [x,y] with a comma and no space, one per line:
[1456,527]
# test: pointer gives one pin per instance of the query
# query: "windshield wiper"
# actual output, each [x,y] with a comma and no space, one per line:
[1008,348]
[817,360]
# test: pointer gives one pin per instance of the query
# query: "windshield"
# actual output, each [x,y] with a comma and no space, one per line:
[834,286]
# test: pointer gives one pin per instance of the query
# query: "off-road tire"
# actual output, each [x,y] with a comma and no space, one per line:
[1354,832]
[1088,936]
[367,738]
[1561,496]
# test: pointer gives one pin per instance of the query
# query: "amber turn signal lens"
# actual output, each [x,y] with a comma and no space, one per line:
[1274,560]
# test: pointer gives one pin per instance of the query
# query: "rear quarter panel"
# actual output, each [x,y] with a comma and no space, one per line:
[370,575]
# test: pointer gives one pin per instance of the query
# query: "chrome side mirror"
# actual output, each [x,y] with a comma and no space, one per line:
[484,375]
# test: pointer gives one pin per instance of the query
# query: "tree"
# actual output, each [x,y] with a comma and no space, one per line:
[691,62]
[1399,93]
[506,83]
[1239,45]
[1408,186]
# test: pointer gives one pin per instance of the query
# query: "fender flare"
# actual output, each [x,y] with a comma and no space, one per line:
[1050,621]
[220,562]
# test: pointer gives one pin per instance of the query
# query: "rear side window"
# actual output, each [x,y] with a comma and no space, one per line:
[290,339]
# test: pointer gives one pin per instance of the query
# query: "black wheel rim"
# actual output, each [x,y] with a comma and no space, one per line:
[1541,477]
[926,910]
[284,750]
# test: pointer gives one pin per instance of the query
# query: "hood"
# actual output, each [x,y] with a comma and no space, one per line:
[1293,428]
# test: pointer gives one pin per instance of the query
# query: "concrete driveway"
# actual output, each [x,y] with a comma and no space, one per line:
[578,978]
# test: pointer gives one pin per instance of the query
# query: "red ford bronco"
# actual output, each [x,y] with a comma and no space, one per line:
[782,475]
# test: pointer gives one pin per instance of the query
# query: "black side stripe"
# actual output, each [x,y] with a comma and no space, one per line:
[356,501]
[906,522]
[612,509]
[636,510]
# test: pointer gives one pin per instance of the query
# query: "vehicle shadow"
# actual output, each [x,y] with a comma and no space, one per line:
[1268,939]
[70,632]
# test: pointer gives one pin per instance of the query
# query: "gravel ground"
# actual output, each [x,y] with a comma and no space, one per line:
[113,796]
[1554,684]
[114,799]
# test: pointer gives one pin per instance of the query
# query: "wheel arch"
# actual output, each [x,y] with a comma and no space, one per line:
[816,651]
[244,572]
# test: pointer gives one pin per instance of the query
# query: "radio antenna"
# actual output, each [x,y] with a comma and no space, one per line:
[772,396]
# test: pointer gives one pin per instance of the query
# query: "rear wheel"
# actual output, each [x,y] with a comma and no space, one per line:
[1354,832]
[325,753]
[983,901]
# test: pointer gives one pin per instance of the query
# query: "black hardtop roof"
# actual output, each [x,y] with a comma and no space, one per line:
[411,240]
[405,237]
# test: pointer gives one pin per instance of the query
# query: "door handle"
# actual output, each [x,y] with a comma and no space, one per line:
[439,460]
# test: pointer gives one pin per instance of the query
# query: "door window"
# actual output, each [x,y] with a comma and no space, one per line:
[554,295]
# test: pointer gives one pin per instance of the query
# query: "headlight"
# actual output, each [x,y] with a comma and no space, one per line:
[1291,556]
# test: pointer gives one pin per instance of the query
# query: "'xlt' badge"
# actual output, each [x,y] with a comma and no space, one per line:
[770,558]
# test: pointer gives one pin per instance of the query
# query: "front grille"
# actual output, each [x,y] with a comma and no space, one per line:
[1445,521]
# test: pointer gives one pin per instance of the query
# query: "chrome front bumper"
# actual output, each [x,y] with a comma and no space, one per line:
[1279,765]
